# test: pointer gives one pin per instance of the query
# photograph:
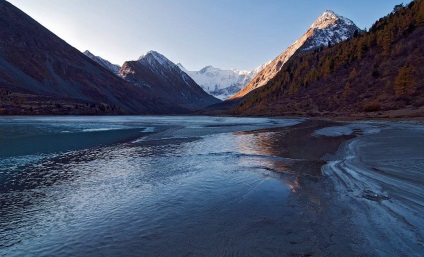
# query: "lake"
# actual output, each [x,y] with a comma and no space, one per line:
[205,186]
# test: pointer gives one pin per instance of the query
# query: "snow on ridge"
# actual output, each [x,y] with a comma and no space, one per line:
[103,62]
[157,56]
[329,16]
[222,83]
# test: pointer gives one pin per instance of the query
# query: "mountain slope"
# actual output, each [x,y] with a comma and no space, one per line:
[42,74]
[105,63]
[166,80]
[328,28]
[222,83]
[379,72]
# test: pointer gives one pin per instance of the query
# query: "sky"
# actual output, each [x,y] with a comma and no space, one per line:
[239,34]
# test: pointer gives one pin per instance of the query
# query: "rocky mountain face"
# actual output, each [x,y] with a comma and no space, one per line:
[167,81]
[42,74]
[220,83]
[105,63]
[378,73]
[329,28]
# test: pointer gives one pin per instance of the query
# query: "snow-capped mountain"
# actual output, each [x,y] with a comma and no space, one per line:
[328,28]
[222,83]
[105,63]
[167,81]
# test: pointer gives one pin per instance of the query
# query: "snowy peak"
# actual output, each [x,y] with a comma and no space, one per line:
[329,28]
[327,16]
[181,67]
[88,54]
[222,83]
[150,55]
[105,63]
[166,80]
[158,61]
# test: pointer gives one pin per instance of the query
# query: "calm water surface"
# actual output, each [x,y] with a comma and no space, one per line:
[146,186]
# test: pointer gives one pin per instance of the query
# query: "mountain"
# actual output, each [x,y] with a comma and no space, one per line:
[378,73]
[167,81]
[105,63]
[42,74]
[329,28]
[222,83]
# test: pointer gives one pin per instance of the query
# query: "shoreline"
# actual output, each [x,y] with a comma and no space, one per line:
[311,227]
[342,222]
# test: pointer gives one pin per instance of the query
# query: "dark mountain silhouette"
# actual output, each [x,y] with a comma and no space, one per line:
[42,74]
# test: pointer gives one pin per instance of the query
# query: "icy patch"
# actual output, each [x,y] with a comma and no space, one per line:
[347,130]
[148,130]
[99,129]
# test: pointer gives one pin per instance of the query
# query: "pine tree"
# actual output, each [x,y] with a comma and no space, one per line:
[353,74]
[405,82]
[346,91]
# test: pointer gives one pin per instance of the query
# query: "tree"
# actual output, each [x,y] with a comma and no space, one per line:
[346,91]
[405,82]
[386,42]
[353,74]
[420,17]
[397,7]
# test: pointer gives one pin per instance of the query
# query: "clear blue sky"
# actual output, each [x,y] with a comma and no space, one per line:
[238,34]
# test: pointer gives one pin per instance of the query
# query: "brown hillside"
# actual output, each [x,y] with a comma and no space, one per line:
[377,71]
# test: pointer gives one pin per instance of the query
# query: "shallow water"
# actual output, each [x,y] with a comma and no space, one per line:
[146,186]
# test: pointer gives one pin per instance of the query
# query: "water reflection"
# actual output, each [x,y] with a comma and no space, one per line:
[214,194]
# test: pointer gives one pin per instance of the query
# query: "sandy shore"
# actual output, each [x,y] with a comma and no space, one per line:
[358,188]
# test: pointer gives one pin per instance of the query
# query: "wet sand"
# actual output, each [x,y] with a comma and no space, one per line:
[366,198]
[379,178]
[316,226]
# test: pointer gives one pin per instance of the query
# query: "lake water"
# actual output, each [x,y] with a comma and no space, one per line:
[209,186]
[146,186]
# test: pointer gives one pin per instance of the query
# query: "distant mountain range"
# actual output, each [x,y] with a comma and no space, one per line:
[163,79]
[167,81]
[333,69]
[222,83]
[42,74]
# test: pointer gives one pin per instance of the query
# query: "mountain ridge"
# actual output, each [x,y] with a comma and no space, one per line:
[327,28]
[105,63]
[222,83]
[42,74]
[377,73]
[164,78]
